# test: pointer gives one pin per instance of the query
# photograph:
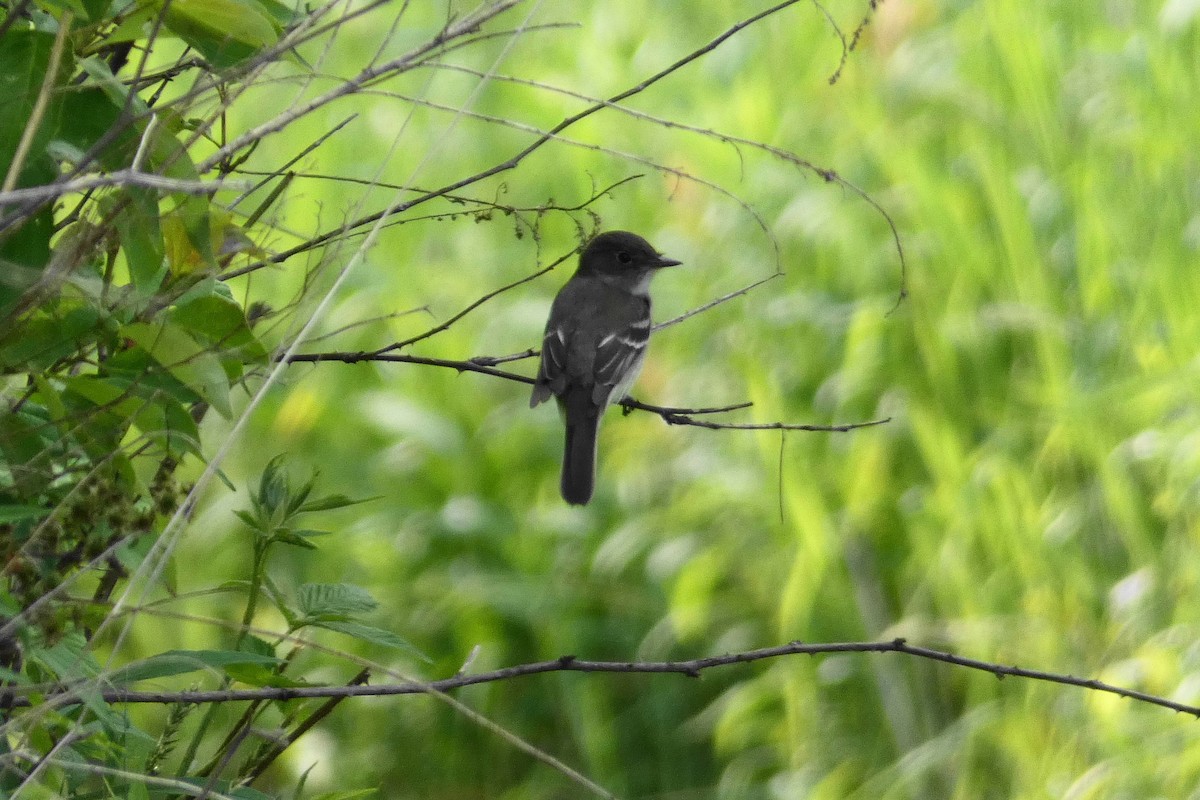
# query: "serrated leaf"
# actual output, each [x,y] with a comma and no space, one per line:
[320,599]
[68,660]
[368,633]
[180,662]
[256,645]
[279,600]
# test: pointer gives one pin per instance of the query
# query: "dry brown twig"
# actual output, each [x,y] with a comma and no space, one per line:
[692,668]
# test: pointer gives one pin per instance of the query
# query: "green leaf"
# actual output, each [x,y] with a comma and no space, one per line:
[115,395]
[337,599]
[274,486]
[18,513]
[186,359]
[95,114]
[50,398]
[116,723]
[224,31]
[180,662]
[75,7]
[255,645]
[166,422]
[334,501]
[279,599]
[138,371]
[220,787]
[298,498]
[46,338]
[142,240]
[22,441]
[248,793]
[367,633]
[248,518]
[221,323]
[68,660]
[284,536]
[24,62]
[95,9]
[284,16]
[258,675]
[352,794]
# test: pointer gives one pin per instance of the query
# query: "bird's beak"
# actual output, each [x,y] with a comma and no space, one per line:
[663,261]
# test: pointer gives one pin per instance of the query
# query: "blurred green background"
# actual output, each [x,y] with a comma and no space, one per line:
[1033,500]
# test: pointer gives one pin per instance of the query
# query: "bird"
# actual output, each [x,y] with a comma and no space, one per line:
[594,345]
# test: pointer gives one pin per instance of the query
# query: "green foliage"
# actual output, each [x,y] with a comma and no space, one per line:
[117,338]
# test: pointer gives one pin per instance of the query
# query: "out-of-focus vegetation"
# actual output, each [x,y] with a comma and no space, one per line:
[1031,501]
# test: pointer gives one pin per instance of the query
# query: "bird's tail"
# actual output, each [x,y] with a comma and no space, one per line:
[579,453]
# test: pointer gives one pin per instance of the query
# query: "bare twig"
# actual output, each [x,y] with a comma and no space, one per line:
[672,416]
[450,321]
[266,759]
[124,177]
[491,361]
[826,174]
[269,176]
[355,84]
[685,416]
[691,668]
[514,160]
[718,301]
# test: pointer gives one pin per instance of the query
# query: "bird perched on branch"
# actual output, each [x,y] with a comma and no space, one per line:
[594,345]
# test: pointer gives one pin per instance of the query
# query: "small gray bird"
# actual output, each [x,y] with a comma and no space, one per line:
[594,345]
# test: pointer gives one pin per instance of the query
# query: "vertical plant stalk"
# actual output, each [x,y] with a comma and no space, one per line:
[39,105]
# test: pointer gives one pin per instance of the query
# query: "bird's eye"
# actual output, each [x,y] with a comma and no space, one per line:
[624,257]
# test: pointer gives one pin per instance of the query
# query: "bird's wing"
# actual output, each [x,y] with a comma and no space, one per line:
[552,373]
[619,358]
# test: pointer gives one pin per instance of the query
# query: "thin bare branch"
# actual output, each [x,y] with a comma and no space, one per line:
[514,160]
[826,174]
[718,301]
[353,85]
[451,320]
[491,361]
[691,668]
[672,416]
[124,177]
